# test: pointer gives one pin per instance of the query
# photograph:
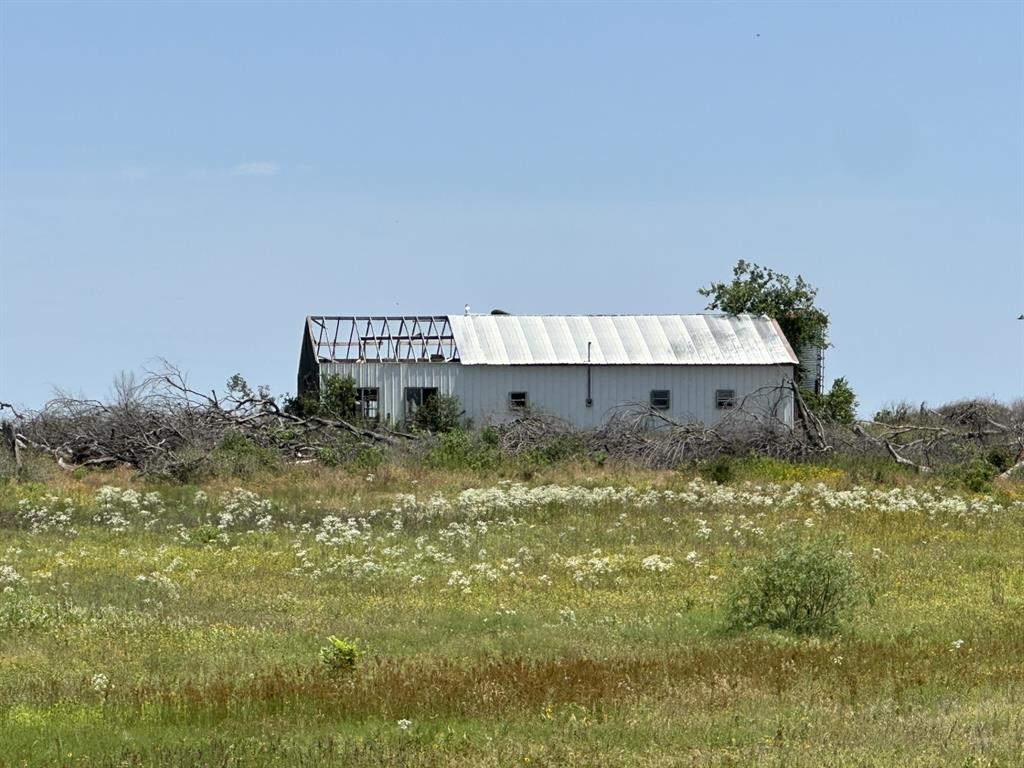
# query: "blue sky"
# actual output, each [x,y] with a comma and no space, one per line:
[191,180]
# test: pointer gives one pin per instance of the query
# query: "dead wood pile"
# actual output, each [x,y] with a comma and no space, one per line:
[161,426]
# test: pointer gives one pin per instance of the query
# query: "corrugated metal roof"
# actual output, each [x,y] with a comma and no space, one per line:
[620,340]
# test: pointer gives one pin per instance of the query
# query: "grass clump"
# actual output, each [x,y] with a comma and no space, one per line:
[238,456]
[339,655]
[805,587]
[459,449]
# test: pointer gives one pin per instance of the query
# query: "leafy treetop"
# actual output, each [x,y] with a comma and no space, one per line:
[761,291]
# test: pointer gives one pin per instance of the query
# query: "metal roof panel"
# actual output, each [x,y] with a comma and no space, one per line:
[620,340]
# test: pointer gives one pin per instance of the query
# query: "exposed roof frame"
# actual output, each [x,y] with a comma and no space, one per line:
[382,338]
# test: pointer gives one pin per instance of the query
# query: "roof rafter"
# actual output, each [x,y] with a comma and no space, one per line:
[382,338]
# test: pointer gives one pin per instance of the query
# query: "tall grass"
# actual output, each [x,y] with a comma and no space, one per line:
[503,625]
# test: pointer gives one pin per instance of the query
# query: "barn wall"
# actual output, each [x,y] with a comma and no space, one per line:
[392,379]
[308,382]
[561,389]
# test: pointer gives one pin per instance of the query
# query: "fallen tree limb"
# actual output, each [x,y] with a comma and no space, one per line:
[904,461]
[161,425]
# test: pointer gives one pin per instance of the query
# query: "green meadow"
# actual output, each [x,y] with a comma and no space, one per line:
[579,618]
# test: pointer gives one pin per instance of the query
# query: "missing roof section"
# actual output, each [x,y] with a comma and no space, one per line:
[396,339]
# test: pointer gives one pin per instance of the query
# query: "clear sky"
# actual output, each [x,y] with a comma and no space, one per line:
[190,180]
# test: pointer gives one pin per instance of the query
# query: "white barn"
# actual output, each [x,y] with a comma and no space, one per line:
[581,368]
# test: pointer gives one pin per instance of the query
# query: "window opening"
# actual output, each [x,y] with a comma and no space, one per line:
[660,399]
[366,402]
[416,398]
[725,398]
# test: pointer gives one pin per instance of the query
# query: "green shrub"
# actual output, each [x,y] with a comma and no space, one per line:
[340,655]
[1000,458]
[491,437]
[206,534]
[328,455]
[459,449]
[804,587]
[838,405]
[238,456]
[907,413]
[440,413]
[370,458]
[304,405]
[338,397]
[720,470]
[977,476]
[565,447]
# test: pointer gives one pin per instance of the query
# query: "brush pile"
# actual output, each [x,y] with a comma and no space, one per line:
[161,426]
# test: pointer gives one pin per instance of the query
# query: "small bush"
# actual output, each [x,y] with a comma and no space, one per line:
[568,447]
[237,456]
[978,475]
[838,405]
[804,587]
[894,413]
[329,456]
[440,413]
[304,405]
[339,397]
[720,470]
[370,458]
[1000,458]
[340,655]
[459,449]
[206,534]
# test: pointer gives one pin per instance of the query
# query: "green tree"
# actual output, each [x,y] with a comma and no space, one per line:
[841,402]
[338,399]
[440,413]
[758,290]
[838,405]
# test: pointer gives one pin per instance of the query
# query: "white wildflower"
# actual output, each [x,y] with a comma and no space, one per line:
[656,563]
[8,575]
[101,683]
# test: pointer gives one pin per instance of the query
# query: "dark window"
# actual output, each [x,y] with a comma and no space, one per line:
[660,399]
[366,402]
[725,398]
[416,398]
[517,400]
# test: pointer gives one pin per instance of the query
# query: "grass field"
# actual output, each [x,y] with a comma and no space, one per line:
[576,620]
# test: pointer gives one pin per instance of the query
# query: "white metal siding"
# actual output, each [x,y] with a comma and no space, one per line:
[561,390]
